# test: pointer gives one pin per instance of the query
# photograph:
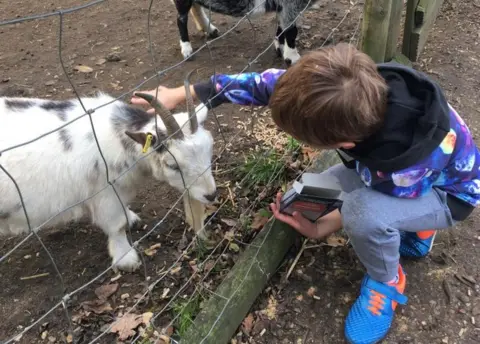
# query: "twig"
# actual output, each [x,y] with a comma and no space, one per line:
[230,194]
[448,291]
[35,276]
[296,259]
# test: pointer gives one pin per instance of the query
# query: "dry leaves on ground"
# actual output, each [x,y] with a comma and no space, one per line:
[105,291]
[96,306]
[260,219]
[271,310]
[334,241]
[126,325]
[247,324]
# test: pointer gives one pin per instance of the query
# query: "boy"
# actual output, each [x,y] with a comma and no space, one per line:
[410,163]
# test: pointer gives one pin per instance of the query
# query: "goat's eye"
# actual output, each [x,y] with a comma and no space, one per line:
[173,167]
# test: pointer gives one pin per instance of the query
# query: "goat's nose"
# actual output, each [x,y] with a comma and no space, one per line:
[211,197]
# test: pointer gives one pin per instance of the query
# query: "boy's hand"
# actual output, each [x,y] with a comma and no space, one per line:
[297,221]
[169,97]
[324,226]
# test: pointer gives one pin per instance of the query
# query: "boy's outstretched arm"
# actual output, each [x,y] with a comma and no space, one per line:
[242,89]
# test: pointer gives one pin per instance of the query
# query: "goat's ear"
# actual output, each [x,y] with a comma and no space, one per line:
[141,137]
[202,113]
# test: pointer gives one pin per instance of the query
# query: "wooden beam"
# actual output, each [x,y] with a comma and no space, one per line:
[221,315]
[375,28]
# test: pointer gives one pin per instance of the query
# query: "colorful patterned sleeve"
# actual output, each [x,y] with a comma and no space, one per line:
[242,89]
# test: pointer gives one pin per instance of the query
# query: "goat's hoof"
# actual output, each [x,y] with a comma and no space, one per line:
[128,263]
[187,50]
[213,34]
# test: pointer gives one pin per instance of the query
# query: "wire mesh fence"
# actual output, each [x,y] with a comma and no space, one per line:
[172,305]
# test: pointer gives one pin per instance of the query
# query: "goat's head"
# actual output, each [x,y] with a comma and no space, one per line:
[185,148]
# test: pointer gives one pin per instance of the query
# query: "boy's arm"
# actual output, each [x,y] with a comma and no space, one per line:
[242,89]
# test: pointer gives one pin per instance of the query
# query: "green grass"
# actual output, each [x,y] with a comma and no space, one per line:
[293,145]
[186,311]
[261,169]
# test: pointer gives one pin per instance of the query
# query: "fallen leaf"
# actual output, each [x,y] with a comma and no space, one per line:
[105,291]
[234,247]
[335,241]
[247,324]
[260,219]
[126,325]
[100,62]
[311,291]
[83,69]
[209,264]
[69,338]
[309,153]
[271,310]
[229,222]
[299,297]
[97,306]
[152,249]
[125,296]
[229,235]
[146,317]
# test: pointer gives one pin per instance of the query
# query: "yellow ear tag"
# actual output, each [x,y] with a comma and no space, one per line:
[148,143]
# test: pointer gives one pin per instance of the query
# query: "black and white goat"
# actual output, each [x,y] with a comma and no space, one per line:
[65,167]
[288,10]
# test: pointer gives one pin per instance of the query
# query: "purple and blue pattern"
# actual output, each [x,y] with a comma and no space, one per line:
[454,166]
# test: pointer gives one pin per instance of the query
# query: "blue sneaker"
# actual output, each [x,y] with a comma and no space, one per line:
[372,314]
[416,245]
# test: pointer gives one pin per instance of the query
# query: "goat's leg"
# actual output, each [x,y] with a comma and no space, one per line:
[183,8]
[108,214]
[195,215]
[287,22]
[279,41]
[202,21]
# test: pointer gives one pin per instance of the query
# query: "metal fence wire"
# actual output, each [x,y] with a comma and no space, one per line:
[65,302]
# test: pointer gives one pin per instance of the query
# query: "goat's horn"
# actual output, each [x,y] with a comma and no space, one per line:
[190,107]
[170,123]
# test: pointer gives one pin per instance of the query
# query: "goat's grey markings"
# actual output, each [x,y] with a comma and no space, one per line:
[65,139]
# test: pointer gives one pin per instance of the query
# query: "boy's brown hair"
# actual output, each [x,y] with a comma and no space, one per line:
[330,96]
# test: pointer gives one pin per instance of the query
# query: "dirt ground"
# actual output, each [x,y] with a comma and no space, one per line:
[112,39]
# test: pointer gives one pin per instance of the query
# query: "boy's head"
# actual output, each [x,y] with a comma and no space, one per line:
[332,98]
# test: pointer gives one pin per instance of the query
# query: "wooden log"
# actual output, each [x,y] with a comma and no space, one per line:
[375,28]
[223,313]
[394,29]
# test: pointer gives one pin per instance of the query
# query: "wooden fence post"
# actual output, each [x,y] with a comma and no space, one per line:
[375,28]
[394,29]
[421,15]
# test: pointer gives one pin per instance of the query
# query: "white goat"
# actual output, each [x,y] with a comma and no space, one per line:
[65,167]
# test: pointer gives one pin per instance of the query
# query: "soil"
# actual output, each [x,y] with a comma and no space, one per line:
[112,39]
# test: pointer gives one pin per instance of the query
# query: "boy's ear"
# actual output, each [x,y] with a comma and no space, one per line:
[345,145]
[140,137]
